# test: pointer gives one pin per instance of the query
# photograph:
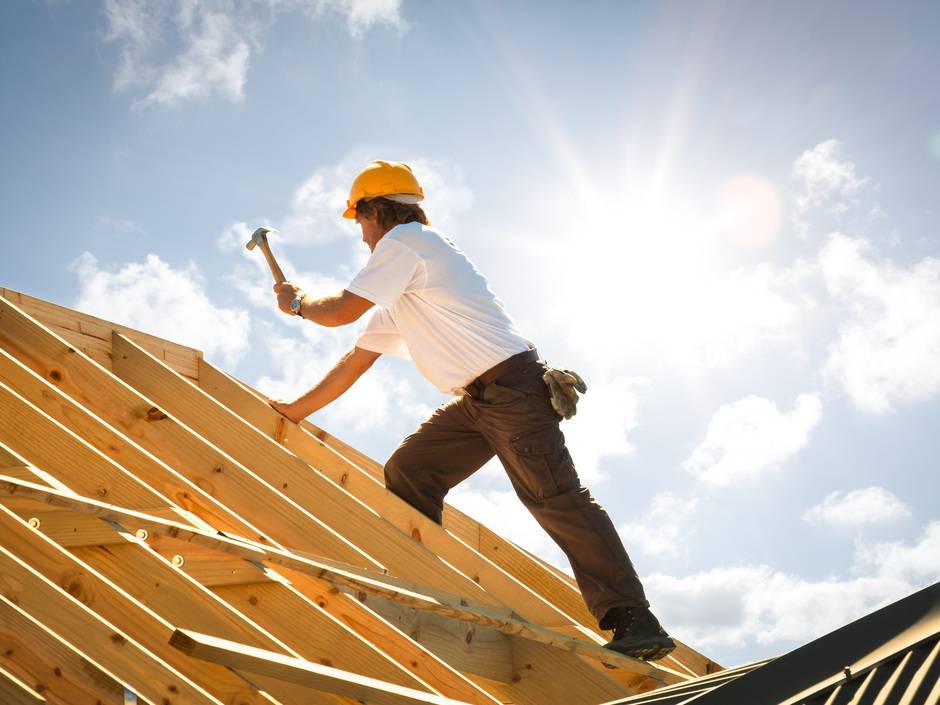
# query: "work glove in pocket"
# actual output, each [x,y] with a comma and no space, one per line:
[564,386]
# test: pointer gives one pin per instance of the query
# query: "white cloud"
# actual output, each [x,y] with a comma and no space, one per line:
[745,605]
[887,352]
[194,49]
[606,413]
[751,436]
[664,526]
[825,177]
[870,505]
[739,313]
[171,303]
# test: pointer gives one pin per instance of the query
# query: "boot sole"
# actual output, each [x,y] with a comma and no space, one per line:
[647,649]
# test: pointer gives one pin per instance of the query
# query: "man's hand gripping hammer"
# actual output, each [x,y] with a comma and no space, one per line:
[289,297]
[259,238]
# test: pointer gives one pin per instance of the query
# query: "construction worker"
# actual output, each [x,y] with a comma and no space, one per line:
[436,309]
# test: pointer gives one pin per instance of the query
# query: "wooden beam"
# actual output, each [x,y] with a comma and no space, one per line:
[108,441]
[553,586]
[138,418]
[309,614]
[265,615]
[50,665]
[133,663]
[367,489]
[362,583]
[293,670]
[45,443]
[93,333]
[303,484]
[15,692]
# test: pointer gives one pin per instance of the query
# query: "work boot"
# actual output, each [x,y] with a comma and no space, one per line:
[637,633]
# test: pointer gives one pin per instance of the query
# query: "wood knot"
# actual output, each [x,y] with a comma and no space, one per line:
[217,469]
[416,534]
[117,639]
[57,671]
[154,414]
[101,492]
[469,636]
[344,479]
[55,376]
[326,662]
[252,600]
[172,688]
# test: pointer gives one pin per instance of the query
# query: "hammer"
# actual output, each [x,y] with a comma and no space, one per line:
[260,238]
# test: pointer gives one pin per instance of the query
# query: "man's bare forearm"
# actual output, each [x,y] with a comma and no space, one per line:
[341,377]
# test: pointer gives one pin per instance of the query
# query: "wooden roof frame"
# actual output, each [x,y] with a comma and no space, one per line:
[136,470]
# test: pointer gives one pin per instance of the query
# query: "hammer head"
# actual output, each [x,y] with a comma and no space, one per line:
[259,236]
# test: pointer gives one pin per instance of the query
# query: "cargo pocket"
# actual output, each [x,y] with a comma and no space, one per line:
[541,464]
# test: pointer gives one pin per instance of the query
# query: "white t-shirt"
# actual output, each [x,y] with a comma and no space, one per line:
[435,308]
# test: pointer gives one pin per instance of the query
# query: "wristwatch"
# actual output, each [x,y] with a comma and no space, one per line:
[295,306]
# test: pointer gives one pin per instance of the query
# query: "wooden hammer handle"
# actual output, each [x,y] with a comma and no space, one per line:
[279,277]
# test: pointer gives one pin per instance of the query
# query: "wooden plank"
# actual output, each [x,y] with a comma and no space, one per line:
[50,665]
[146,603]
[14,691]
[104,438]
[409,521]
[250,406]
[45,443]
[301,631]
[23,583]
[425,641]
[349,578]
[138,418]
[181,357]
[343,609]
[20,468]
[550,584]
[311,675]
[303,484]
[10,295]
[313,445]
[97,350]
[68,528]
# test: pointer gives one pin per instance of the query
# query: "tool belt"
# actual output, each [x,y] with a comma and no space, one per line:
[510,364]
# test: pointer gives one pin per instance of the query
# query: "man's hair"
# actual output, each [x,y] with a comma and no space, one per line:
[388,213]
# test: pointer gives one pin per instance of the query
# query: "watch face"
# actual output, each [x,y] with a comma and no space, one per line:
[295,306]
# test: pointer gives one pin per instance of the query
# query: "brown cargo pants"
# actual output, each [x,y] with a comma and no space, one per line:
[512,417]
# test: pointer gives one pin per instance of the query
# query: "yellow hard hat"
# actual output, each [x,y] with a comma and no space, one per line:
[382,179]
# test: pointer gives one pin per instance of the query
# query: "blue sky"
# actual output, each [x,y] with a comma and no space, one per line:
[723,215]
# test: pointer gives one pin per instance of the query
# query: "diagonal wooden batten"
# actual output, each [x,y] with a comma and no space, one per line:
[258,661]
[14,691]
[48,663]
[104,438]
[424,663]
[546,581]
[151,598]
[568,603]
[536,664]
[131,661]
[345,577]
[138,418]
[303,484]
[274,605]
[365,487]
[93,335]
